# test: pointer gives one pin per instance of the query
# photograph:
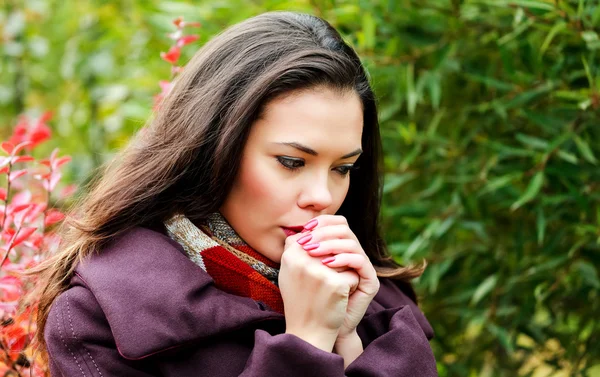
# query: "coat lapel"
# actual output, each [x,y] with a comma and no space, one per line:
[155,298]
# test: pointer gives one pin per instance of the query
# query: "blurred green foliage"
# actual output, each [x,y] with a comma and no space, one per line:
[489,115]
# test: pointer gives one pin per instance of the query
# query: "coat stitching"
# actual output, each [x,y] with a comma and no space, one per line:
[63,339]
[75,337]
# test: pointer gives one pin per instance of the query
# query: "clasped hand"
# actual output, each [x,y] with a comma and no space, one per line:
[326,281]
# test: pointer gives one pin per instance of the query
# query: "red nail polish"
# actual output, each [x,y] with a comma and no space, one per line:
[304,239]
[311,224]
[328,260]
[311,246]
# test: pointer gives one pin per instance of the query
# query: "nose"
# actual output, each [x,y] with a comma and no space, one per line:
[316,194]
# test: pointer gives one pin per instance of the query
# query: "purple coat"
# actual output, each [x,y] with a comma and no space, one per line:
[142,308]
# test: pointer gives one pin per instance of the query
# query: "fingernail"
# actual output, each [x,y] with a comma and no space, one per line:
[328,260]
[310,246]
[304,239]
[311,224]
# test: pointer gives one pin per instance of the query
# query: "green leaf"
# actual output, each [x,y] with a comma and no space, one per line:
[369,30]
[503,336]
[555,29]
[541,5]
[585,149]
[569,157]
[412,96]
[541,226]
[490,82]
[531,192]
[394,181]
[587,72]
[498,183]
[435,91]
[484,288]
[588,273]
[532,141]
[515,33]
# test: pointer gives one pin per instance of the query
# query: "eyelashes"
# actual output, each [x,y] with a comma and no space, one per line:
[291,163]
[294,163]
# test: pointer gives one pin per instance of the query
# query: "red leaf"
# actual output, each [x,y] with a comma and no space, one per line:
[53,155]
[175,35]
[192,24]
[172,56]
[10,286]
[4,170]
[40,134]
[50,184]
[36,210]
[178,21]
[42,176]
[20,133]
[3,194]
[61,161]
[45,117]
[186,40]
[23,234]
[34,241]
[7,147]
[68,191]
[19,218]
[18,208]
[14,337]
[53,216]
[16,174]
[19,147]
[22,159]
[46,163]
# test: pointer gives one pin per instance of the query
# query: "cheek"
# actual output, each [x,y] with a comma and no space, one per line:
[338,197]
[261,186]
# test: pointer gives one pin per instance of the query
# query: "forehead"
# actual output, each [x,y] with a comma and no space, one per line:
[321,118]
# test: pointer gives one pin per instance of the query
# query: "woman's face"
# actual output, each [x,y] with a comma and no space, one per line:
[295,166]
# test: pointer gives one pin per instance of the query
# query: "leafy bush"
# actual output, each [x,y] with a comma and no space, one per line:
[26,238]
[490,123]
[489,114]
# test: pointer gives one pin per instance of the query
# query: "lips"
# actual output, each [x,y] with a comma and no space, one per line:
[291,230]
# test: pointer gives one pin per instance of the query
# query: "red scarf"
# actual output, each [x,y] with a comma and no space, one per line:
[234,266]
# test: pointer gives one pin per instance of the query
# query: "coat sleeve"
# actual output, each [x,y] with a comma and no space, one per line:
[79,340]
[400,349]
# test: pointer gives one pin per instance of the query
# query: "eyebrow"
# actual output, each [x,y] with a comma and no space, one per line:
[312,152]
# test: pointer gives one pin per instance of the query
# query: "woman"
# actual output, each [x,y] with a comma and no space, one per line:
[238,234]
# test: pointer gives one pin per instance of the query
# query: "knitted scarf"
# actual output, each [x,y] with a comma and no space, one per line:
[234,266]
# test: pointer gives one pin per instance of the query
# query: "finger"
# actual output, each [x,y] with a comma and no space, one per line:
[322,233]
[360,264]
[351,278]
[354,261]
[325,220]
[333,247]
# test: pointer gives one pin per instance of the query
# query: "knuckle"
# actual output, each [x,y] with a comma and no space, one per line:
[338,285]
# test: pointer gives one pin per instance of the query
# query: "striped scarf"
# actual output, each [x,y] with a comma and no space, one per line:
[234,266]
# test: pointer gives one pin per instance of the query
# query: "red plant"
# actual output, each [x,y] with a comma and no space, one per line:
[26,238]
[27,222]
[172,56]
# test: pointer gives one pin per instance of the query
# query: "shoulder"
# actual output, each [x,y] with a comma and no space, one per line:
[142,253]
[76,305]
[75,322]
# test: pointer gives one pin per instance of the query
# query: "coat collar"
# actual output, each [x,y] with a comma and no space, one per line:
[145,284]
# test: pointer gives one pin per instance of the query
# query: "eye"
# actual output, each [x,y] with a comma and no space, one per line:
[345,169]
[290,163]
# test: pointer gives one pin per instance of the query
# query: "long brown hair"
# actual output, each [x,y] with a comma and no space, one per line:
[187,156]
